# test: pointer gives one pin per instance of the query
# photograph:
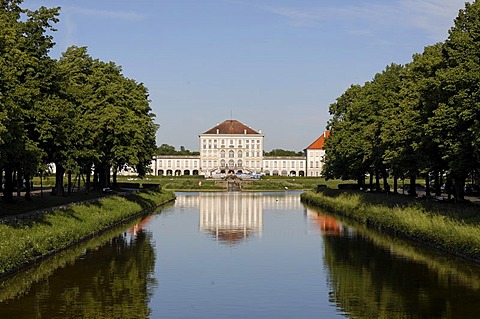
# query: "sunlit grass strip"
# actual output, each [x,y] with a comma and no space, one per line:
[446,230]
[26,241]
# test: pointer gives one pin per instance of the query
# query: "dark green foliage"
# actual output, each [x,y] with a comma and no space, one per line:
[421,119]
[280,152]
[77,112]
[166,149]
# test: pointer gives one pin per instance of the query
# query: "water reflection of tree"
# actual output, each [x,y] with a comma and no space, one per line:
[113,282]
[368,281]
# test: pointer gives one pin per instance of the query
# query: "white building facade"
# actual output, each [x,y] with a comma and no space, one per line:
[315,155]
[233,147]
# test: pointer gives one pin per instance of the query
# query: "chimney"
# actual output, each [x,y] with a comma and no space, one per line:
[218,131]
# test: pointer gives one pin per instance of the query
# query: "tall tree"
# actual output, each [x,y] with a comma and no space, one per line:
[455,122]
[24,78]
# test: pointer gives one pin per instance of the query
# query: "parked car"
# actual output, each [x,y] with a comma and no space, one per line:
[472,189]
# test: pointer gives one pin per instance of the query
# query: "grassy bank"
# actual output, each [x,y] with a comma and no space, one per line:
[26,240]
[453,228]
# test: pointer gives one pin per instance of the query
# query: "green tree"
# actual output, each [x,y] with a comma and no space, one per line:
[24,77]
[410,150]
[454,125]
[281,152]
[343,148]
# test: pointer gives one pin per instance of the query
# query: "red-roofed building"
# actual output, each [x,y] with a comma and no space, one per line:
[231,147]
[315,155]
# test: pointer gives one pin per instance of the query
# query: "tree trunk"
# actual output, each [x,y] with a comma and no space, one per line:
[371,181]
[28,189]
[377,181]
[69,178]
[427,185]
[114,178]
[438,184]
[361,182]
[459,187]
[8,189]
[19,183]
[395,184]
[96,173]
[412,190]
[60,171]
[386,187]
[88,182]
[107,176]
[41,183]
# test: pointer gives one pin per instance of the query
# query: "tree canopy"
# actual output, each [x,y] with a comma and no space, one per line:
[421,119]
[80,113]
[280,152]
[166,149]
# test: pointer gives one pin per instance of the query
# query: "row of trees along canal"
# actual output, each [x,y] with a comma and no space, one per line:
[77,112]
[416,120]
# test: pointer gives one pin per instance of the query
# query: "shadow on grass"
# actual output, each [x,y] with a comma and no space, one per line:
[143,202]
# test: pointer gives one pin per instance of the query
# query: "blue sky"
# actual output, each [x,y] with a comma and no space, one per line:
[276,66]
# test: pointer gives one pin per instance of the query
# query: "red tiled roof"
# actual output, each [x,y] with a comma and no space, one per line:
[319,142]
[231,127]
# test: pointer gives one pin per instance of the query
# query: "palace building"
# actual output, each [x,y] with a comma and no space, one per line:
[232,147]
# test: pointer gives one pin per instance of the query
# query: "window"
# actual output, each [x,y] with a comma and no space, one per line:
[231,154]
[240,154]
[222,154]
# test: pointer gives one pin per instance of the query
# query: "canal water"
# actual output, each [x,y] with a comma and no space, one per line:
[244,255]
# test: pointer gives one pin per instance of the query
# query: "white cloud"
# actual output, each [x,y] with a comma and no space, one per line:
[117,15]
[435,17]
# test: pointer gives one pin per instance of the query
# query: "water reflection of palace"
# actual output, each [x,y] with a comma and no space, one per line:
[233,218]
[280,201]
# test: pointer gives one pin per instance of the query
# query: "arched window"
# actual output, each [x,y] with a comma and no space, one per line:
[240,154]
[231,154]
[222,154]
